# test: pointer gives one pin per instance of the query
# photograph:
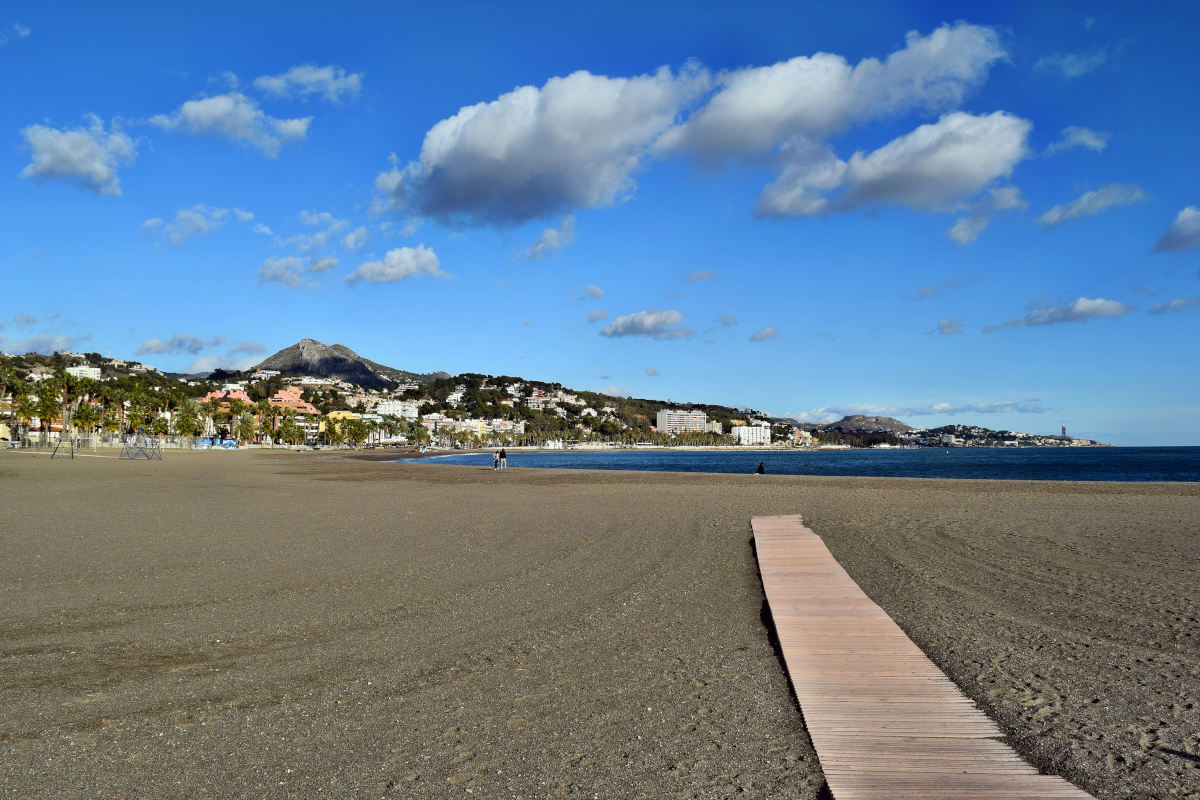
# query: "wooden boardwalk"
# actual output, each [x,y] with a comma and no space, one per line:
[885,721]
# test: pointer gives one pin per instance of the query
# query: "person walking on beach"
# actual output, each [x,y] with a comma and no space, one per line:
[503,459]
[495,460]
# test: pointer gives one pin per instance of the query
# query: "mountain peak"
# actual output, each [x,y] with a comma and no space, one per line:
[311,357]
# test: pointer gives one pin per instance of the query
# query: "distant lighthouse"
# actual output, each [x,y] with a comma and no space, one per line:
[1064,430]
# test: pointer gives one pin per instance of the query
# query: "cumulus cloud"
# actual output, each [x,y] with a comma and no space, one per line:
[597,315]
[593,291]
[726,320]
[934,168]
[288,271]
[553,239]
[198,220]
[575,142]
[263,229]
[1178,304]
[1078,136]
[949,326]
[322,264]
[333,82]
[653,323]
[1183,233]
[86,157]
[612,390]
[356,239]
[835,413]
[1071,65]
[1080,310]
[966,229]
[652,372]
[331,226]
[235,117]
[702,275]
[399,264]
[811,97]
[179,343]
[1092,203]
[764,334]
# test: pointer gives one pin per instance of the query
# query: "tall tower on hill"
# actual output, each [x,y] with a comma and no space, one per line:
[1064,429]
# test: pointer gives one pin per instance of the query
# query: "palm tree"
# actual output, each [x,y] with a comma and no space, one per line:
[243,428]
[48,406]
[186,419]
[87,416]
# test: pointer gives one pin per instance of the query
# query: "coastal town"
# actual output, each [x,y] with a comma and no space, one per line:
[94,400]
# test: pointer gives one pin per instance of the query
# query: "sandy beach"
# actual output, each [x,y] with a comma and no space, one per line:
[279,624]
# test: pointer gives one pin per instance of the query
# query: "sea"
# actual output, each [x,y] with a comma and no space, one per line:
[1015,464]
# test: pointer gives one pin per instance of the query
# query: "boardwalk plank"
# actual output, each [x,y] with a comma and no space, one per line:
[885,721]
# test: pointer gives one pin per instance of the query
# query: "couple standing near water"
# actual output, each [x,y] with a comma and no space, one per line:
[500,460]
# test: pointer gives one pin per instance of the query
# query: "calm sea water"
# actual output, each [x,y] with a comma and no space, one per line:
[1027,463]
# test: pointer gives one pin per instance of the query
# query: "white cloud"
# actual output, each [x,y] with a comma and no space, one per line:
[221,361]
[597,315]
[967,229]
[1071,65]
[263,229]
[356,239]
[237,118]
[41,344]
[811,97]
[198,220]
[319,240]
[248,348]
[1178,304]
[764,334]
[593,291]
[652,372]
[86,157]
[701,275]
[726,320]
[179,343]
[323,264]
[653,323]
[399,264]
[1080,310]
[828,414]
[289,271]
[613,390]
[1000,198]
[1183,233]
[1078,136]
[553,239]
[1092,203]
[934,168]
[332,81]
[19,320]
[949,326]
[534,152]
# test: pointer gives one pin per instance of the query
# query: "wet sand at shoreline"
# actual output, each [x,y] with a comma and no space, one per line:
[274,624]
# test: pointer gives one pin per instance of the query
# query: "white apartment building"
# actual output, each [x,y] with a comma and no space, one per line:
[398,408]
[85,372]
[713,427]
[751,434]
[673,420]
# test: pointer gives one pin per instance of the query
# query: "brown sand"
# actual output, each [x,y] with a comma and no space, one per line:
[304,625]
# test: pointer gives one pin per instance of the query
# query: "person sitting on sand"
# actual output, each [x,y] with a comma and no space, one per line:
[762,469]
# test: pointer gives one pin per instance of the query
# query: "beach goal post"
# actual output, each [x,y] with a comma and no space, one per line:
[141,446]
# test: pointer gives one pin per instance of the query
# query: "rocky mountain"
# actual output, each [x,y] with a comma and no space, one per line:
[861,423]
[310,357]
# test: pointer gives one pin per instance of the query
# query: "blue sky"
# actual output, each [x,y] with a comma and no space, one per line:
[988,219]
